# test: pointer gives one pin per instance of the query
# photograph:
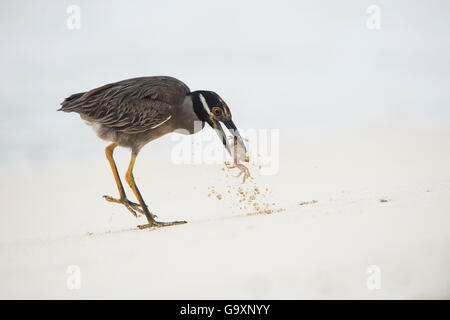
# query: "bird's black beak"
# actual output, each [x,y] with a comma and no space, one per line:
[237,136]
[240,146]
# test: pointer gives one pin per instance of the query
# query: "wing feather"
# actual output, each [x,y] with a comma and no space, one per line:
[130,106]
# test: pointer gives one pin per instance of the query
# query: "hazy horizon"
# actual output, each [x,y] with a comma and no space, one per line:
[306,68]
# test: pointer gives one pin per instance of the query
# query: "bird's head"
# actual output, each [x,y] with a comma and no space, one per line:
[210,107]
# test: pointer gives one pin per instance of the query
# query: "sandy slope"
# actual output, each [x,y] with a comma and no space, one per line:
[319,250]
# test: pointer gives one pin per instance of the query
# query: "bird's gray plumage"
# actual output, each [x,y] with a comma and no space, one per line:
[135,111]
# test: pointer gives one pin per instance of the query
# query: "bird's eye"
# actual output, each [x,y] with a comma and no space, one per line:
[217,111]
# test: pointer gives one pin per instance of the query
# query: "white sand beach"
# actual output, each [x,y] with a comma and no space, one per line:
[356,91]
[313,250]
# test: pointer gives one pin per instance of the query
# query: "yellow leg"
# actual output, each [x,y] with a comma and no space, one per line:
[131,206]
[150,217]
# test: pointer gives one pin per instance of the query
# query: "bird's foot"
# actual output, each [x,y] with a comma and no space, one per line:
[158,224]
[134,208]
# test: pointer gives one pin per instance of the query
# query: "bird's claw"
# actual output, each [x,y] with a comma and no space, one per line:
[134,208]
[158,224]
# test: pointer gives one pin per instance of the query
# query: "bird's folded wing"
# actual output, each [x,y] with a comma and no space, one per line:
[132,105]
[136,115]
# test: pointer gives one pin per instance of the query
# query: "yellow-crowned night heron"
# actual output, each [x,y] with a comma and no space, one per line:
[133,112]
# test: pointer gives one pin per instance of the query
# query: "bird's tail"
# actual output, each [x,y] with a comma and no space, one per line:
[71,103]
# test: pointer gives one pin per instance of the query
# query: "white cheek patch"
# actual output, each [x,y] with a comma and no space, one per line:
[204,104]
